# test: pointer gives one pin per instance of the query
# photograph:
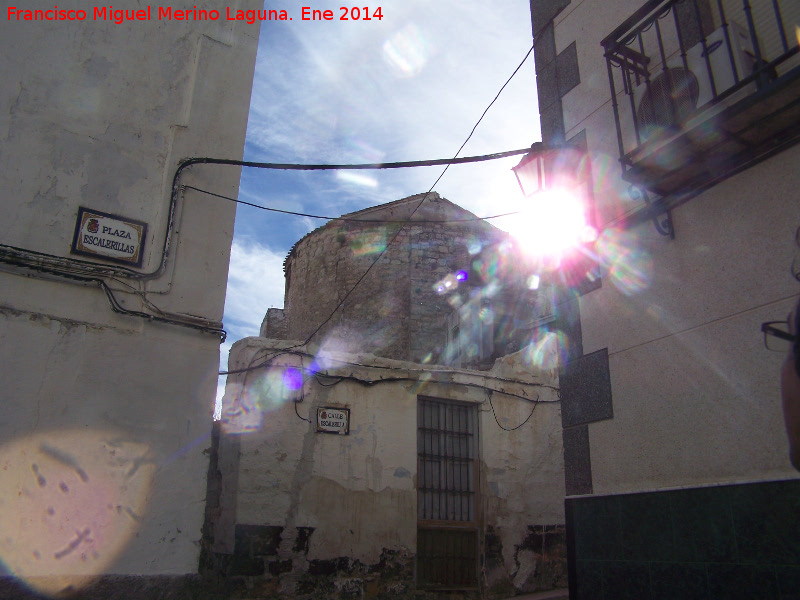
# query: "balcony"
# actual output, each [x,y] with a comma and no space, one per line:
[702,89]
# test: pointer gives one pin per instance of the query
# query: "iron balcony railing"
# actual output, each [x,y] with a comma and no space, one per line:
[675,63]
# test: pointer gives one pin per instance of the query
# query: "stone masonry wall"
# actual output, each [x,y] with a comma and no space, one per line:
[274,324]
[395,311]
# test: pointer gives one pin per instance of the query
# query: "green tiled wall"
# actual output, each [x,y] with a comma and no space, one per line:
[726,542]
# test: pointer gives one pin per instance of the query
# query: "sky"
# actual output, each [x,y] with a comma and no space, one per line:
[408,86]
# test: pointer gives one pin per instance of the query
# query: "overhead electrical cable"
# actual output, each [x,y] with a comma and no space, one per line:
[424,197]
[73,269]
[366,166]
[343,218]
[489,396]
[45,262]
[417,207]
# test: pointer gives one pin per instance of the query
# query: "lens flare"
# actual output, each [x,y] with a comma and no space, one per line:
[244,409]
[450,282]
[367,243]
[71,502]
[629,267]
[488,267]
[361,151]
[547,350]
[550,222]
[407,51]
[292,378]
[357,179]
[271,390]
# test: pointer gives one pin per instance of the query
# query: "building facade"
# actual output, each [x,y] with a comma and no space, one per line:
[448,477]
[677,474]
[113,282]
[343,475]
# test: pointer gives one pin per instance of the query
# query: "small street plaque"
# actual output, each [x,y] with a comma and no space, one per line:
[110,236]
[333,420]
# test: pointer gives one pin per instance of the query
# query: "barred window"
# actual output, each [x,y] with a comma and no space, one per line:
[447,449]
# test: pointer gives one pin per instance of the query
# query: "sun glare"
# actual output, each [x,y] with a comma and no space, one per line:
[549,223]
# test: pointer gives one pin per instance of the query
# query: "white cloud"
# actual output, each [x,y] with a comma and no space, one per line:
[224,351]
[255,283]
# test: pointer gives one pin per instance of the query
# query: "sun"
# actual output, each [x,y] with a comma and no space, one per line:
[549,223]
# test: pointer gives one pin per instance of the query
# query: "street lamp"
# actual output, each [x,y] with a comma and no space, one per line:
[554,216]
[551,167]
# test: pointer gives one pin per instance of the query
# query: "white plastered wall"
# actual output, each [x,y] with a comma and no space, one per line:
[695,393]
[359,491]
[107,417]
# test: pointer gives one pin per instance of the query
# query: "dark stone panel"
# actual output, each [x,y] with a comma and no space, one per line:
[577,461]
[567,69]
[788,582]
[742,582]
[675,581]
[596,526]
[727,542]
[702,525]
[766,517]
[547,86]
[626,580]
[257,540]
[545,47]
[572,564]
[579,141]
[544,11]
[645,528]
[588,580]
[586,390]
[552,120]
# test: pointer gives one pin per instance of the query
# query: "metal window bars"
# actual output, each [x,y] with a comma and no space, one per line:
[675,58]
[447,535]
[446,448]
